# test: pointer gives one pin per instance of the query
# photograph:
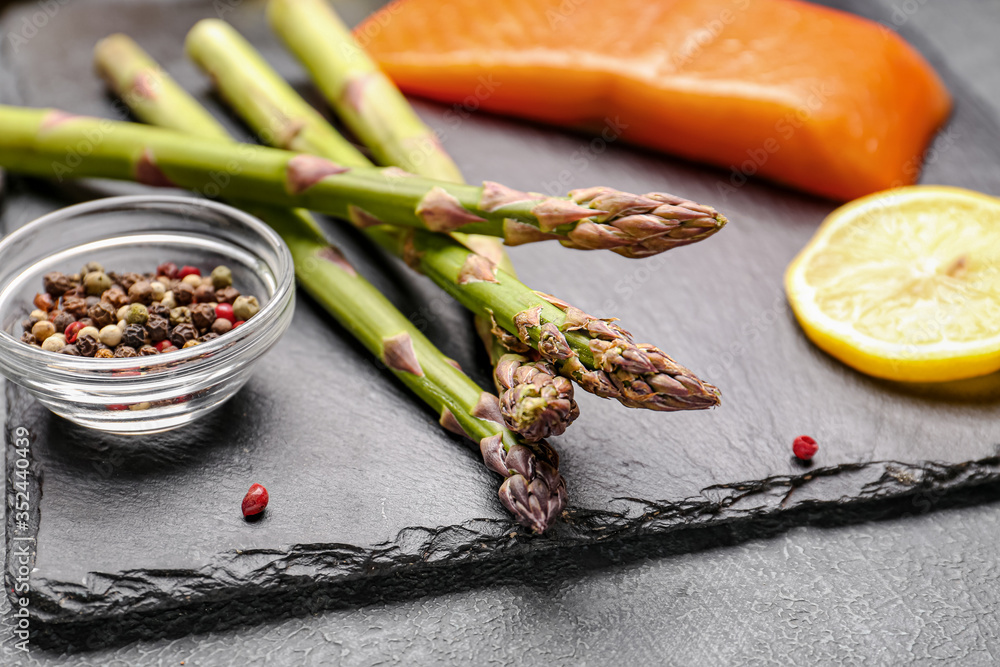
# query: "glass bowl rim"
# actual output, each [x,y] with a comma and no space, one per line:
[197,356]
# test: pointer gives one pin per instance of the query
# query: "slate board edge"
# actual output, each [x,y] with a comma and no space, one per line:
[234,574]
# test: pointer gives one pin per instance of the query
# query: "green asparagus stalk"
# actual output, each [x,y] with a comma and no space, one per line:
[534,404]
[596,353]
[360,92]
[128,69]
[39,142]
[533,490]
[600,356]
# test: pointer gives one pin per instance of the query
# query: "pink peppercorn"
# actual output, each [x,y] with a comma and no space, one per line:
[188,271]
[804,447]
[72,330]
[168,269]
[236,324]
[255,500]
[225,311]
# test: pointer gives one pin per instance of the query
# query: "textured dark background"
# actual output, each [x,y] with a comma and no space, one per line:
[919,587]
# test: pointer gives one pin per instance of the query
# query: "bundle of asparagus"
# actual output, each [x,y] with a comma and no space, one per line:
[533,490]
[535,402]
[600,356]
[415,207]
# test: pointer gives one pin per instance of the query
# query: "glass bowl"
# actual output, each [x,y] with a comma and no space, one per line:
[158,392]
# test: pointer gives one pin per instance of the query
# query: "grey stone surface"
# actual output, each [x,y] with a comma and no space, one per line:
[882,593]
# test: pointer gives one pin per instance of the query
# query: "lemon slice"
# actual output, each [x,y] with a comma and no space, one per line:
[905,284]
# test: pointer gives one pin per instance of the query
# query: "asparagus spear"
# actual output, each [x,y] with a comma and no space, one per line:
[597,354]
[534,404]
[363,96]
[533,490]
[43,142]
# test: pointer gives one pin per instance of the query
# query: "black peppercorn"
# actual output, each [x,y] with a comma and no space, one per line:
[125,351]
[158,328]
[28,338]
[57,283]
[116,297]
[183,294]
[87,345]
[63,320]
[204,294]
[207,337]
[92,301]
[134,336]
[71,350]
[126,280]
[182,333]
[159,310]
[202,315]
[226,295]
[103,314]
[147,351]
[141,292]
[74,305]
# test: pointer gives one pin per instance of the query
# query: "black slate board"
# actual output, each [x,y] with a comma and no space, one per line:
[146,533]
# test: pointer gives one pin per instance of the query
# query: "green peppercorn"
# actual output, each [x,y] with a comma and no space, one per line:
[245,307]
[96,282]
[91,267]
[222,276]
[180,315]
[136,313]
